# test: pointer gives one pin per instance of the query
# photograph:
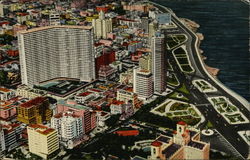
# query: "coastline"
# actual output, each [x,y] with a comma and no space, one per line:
[192,25]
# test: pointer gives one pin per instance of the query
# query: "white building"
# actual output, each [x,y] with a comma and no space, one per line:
[69,127]
[102,26]
[6,94]
[54,18]
[56,51]
[143,83]
[117,107]
[102,117]
[28,92]
[158,47]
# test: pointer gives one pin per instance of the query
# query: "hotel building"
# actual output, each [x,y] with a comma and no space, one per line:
[56,51]
[185,144]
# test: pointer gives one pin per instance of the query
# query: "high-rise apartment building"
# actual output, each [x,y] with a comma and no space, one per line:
[56,51]
[43,141]
[143,83]
[35,111]
[158,47]
[102,26]
[69,127]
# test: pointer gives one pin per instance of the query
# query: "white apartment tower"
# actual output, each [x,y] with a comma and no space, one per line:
[68,125]
[56,51]
[102,26]
[158,47]
[143,83]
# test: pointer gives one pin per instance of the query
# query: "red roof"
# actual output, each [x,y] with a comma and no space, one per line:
[94,90]
[156,143]
[38,126]
[2,23]
[128,133]
[116,102]
[33,102]
[182,123]
[85,94]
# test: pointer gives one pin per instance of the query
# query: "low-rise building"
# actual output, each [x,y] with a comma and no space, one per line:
[6,94]
[102,117]
[116,107]
[126,77]
[85,96]
[128,95]
[27,92]
[105,72]
[8,109]
[43,141]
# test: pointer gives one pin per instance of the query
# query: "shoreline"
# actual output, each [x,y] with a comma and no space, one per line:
[192,25]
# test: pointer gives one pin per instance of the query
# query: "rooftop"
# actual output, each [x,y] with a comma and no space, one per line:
[163,139]
[35,101]
[196,145]
[170,150]
[71,105]
[52,27]
[42,129]
[116,102]
[4,90]
[182,123]
[85,94]
[156,143]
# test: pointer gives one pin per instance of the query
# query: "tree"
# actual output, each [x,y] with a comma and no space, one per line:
[3,77]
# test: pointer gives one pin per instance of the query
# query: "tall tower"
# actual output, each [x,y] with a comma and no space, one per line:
[56,51]
[102,26]
[158,48]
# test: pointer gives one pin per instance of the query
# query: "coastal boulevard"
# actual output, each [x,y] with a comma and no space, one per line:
[229,131]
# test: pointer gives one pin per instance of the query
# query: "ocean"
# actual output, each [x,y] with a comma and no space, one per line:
[225,26]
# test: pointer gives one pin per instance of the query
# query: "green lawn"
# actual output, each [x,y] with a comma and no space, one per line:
[183,89]
[175,40]
[209,125]
[172,80]
[161,109]
[179,106]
